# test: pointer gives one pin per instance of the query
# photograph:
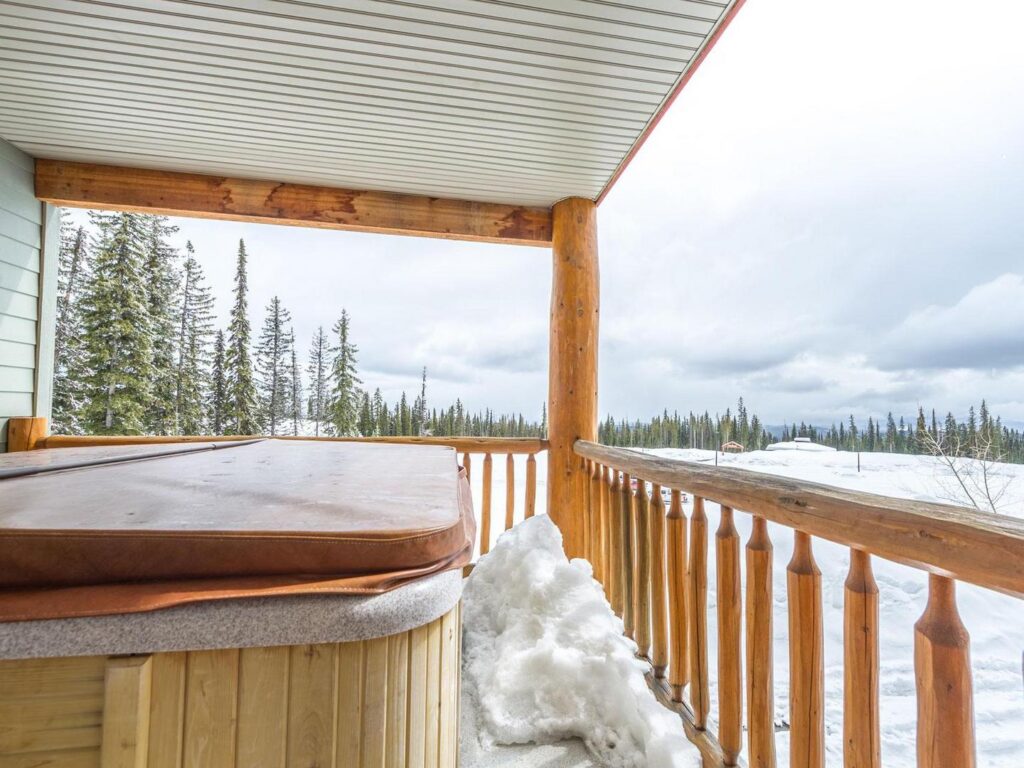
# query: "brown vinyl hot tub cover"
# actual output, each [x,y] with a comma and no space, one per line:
[90,531]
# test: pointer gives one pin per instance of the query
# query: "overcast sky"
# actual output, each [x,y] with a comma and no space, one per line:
[830,220]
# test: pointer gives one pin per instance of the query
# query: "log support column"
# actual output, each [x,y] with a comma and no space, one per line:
[25,433]
[572,371]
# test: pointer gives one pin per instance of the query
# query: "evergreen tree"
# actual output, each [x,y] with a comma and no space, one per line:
[217,402]
[317,369]
[273,365]
[195,326]
[419,408]
[242,414]
[294,386]
[343,409]
[69,352]
[116,329]
[380,413]
[162,285]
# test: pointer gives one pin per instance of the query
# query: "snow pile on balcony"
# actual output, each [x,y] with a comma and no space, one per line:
[546,659]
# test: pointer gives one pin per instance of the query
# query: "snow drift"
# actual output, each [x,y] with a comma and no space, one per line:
[546,659]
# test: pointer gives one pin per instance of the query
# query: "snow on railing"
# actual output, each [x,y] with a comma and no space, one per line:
[655,576]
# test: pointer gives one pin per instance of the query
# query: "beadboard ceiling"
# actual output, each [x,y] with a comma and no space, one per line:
[511,101]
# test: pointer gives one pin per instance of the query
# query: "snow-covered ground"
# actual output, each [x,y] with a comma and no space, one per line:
[995,622]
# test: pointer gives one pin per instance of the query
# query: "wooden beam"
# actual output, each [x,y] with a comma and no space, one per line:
[85,185]
[945,540]
[26,433]
[572,370]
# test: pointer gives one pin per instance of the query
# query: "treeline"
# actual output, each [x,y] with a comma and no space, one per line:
[979,435]
[137,352]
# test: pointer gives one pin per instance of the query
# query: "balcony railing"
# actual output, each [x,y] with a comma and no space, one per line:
[655,574]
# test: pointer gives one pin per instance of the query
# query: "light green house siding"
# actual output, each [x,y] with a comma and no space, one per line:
[29,239]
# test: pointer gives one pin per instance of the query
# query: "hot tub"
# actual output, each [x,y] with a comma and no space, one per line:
[272,603]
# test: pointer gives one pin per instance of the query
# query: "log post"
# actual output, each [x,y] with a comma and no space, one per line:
[697,613]
[861,737]
[24,432]
[642,570]
[942,662]
[659,617]
[679,659]
[806,666]
[730,671]
[485,513]
[572,370]
[760,682]
[628,555]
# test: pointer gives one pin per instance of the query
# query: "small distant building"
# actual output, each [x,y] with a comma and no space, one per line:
[732,447]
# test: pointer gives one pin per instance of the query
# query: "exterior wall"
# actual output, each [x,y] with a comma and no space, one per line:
[29,241]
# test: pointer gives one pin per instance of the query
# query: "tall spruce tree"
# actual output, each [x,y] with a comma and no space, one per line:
[116,328]
[162,286]
[69,346]
[242,415]
[195,327]
[344,404]
[318,369]
[217,398]
[294,387]
[273,365]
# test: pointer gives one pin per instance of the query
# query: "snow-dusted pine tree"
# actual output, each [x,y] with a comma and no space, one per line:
[380,414]
[162,286]
[273,366]
[242,413]
[317,368]
[217,398]
[116,328]
[344,405]
[69,343]
[294,386]
[419,408]
[195,327]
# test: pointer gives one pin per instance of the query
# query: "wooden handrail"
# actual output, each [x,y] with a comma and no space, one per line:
[945,540]
[516,445]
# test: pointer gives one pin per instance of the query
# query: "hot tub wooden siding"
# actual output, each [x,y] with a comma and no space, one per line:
[392,701]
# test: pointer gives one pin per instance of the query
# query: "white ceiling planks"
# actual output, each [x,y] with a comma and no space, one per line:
[509,101]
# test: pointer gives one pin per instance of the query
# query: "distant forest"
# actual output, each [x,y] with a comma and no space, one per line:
[137,353]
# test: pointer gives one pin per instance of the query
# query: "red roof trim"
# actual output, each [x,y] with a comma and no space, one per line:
[676,90]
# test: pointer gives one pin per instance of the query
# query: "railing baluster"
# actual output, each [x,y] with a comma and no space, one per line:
[942,663]
[465,463]
[531,485]
[760,682]
[806,666]
[510,492]
[679,662]
[626,515]
[697,612]
[730,671]
[861,738]
[485,508]
[596,522]
[616,562]
[642,569]
[659,621]
[584,472]
[606,524]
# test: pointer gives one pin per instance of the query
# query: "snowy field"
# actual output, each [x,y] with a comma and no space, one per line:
[995,622]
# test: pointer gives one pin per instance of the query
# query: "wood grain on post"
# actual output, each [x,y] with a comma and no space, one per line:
[531,485]
[615,561]
[572,369]
[510,491]
[760,660]
[942,663]
[485,507]
[679,662]
[659,618]
[730,671]
[105,187]
[697,613]
[26,433]
[806,665]
[642,569]
[861,736]
[466,462]
[626,514]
